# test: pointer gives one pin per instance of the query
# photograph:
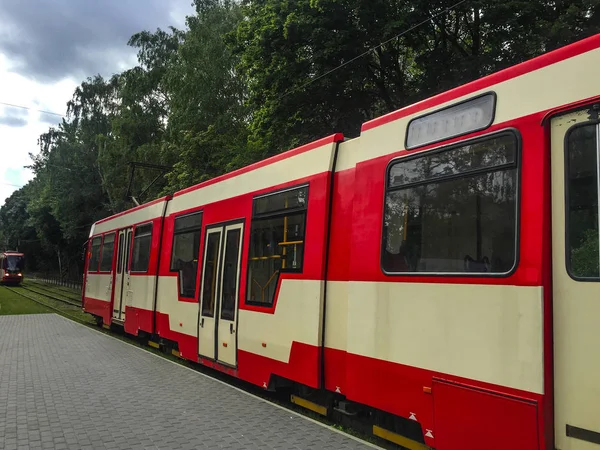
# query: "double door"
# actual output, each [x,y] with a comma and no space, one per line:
[219,294]
[122,274]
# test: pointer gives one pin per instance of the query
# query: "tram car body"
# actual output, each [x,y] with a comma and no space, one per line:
[11,267]
[440,271]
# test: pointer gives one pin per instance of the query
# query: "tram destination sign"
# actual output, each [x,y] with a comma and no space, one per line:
[465,117]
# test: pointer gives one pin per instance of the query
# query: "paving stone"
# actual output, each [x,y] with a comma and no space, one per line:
[65,386]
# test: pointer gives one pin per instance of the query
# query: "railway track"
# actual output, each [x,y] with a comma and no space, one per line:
[71,302]
[76,301]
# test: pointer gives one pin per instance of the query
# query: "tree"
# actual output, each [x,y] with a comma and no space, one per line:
[320,66]
[207,132]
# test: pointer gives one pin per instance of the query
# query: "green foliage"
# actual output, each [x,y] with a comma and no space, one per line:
[247,80]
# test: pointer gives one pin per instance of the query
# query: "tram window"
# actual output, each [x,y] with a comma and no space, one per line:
[95,256]
[184,257]
[454,210]
[141,248]
[276,242]
[13,263]
[106,255]
[583,247]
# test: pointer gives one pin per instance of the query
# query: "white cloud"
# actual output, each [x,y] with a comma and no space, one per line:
[22,78]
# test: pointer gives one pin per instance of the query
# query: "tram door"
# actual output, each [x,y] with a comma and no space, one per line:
[575,149]
[219,296]
[122,275]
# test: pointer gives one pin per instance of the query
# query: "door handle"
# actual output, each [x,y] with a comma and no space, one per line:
[231,328]
[202,323]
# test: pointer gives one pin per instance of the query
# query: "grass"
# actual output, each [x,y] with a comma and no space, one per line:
[13,303]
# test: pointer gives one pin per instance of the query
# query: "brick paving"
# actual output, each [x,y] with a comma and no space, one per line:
[65,386]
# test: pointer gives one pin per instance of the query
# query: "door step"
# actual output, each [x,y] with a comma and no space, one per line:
[398,439]
[322,410]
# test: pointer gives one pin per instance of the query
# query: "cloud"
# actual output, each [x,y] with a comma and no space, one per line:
[47,47]
[13,117]
[48,40]
[12,121]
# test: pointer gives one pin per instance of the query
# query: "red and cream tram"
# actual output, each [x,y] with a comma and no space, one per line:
[11,267]
[438,274]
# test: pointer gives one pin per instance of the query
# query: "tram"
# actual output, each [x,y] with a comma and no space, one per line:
[11,267]
[437,276]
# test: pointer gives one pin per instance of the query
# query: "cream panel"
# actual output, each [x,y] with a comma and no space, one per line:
[98,286]
[300,166]
[184,313]
[337,313]
[141,292]
[349,152]
[488,333]
[527,94]
[297,318]
[141,215]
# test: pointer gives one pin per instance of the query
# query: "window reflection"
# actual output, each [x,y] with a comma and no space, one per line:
[457,215]
[582,187]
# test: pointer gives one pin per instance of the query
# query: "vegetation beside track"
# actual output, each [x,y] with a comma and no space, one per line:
[13,303]
[28,299]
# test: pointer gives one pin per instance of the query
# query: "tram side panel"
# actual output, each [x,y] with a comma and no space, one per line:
[102,298]
[97,298]
[283,335]
[280,303]
[140,294]
[419,307]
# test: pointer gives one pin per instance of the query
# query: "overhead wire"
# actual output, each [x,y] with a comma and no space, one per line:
[12,105]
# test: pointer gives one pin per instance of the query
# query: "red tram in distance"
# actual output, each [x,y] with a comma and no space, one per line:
[11,267]
[438,275]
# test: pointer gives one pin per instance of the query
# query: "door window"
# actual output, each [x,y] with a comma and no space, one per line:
[209,288]
[230,274]
[120,257]
[583,244]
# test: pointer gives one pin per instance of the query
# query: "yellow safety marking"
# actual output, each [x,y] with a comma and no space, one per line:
[153,344]
[264,258]
[106,327]
[309,405]
[398,439]
[175,353]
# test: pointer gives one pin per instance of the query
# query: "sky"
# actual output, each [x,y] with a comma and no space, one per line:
[47,48]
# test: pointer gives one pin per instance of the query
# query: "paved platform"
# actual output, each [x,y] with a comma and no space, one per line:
[65,386]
